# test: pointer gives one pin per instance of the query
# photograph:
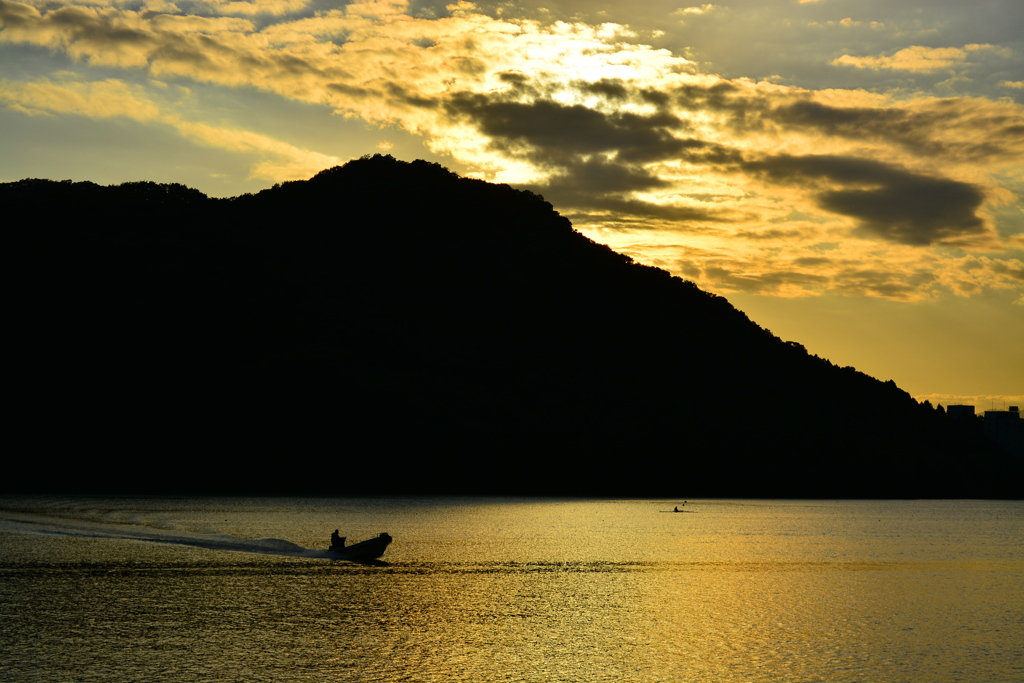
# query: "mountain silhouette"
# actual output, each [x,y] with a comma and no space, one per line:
[389,327]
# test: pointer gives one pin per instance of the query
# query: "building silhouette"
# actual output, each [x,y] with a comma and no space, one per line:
[960,412]
[1006,428]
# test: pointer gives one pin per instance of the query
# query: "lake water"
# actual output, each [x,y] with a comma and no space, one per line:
[218,589]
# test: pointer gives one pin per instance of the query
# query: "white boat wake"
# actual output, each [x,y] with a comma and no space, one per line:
[136,530]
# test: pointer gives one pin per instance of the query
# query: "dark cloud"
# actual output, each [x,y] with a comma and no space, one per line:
[883,283]
[17,15]
[844,121]
[94,29]
[597,157]
[917,210]
[774,234]
[612,89]
[721,95]
[771,281]
[599,177]
[639,212]
[889,202]
[553,129]
[398,93]
[350,91]
[994,134]
[985,130]
[1009,268]
[703,152]
[779,277]
[812,261]
[600,185]
[182,54]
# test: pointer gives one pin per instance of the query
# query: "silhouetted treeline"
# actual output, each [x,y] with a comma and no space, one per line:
[389,327]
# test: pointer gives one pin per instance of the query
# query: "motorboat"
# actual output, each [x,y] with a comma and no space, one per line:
[363,551]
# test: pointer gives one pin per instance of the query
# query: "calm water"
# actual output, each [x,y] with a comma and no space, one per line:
[119,589]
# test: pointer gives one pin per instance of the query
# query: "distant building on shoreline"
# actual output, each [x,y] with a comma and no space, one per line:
[1006,428]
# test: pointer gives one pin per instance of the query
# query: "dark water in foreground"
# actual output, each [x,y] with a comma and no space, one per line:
[479,590]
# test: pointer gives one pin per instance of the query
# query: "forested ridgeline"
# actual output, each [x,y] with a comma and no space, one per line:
[390,327]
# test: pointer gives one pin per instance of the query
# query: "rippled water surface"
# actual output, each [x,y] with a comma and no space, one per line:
[511,590]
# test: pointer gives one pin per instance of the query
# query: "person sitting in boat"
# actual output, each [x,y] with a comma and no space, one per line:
[336,540]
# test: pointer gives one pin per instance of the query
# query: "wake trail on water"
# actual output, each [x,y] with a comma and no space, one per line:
[77,528]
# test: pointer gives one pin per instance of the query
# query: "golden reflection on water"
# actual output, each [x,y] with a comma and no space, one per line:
[535,591]
[756,595]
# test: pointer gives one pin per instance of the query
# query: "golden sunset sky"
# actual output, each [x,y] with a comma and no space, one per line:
[847,172]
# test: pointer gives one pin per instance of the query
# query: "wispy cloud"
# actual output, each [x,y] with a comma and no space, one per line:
[94,99]
[918,58]
[113,99]
[697,9]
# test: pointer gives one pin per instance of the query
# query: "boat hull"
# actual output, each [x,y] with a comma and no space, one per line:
[366,550]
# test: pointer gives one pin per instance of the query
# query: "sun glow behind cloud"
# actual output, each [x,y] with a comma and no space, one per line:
[753,185]
[740,184]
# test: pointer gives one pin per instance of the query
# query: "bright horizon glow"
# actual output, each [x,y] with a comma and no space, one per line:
[847,173]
